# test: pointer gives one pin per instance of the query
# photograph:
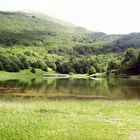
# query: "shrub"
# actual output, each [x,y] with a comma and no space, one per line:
[1,66]
[33,70]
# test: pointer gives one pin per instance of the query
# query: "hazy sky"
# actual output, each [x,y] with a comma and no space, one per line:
[110,16]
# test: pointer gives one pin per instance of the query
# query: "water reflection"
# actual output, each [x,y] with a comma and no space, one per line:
[99,88]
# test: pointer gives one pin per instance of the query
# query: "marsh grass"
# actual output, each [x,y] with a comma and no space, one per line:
[43,119]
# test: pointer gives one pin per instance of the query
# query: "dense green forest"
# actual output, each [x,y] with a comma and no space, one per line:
[38,41]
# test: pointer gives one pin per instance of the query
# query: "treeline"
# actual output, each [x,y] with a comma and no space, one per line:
[123,63]
[131,62]
[20,58]
[16,58]
[13,60]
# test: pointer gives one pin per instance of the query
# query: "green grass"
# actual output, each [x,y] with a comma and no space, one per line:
[79,76]
[24,75]
[42,119]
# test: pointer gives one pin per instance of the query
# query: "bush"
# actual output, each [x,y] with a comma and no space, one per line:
[91,70]
[45,68]
[12,67]
[33,70]
[1,66]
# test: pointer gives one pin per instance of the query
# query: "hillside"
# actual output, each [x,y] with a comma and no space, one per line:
[36,40]
[33,29]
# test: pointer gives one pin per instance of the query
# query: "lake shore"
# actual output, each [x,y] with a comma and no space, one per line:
[25,75]
[103,75]
[68,114]
[40,118]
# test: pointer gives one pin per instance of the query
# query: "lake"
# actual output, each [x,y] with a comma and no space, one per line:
[110,89]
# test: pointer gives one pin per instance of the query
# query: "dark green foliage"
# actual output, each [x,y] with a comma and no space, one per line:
[25,63]
[1,66]
[33,70]
[45,68]
[92,70]
[112,65]
[9,64]
[12,67]
[40,65]
[131,62]
[53,66]
[136,66]
[12,60]
[130,55]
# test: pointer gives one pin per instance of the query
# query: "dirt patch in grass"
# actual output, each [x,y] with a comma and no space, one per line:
[49,111]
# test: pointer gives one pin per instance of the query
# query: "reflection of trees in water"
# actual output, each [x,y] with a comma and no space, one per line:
[127,88]
[76,86]
[130,93]
[105,87]
[16,86]
[113,86]
[11,86]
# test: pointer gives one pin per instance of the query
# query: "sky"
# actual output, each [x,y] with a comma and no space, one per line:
[109,16]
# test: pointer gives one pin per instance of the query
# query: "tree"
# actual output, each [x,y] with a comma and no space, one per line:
[1,66]
[130,54]
[136,67]
[127,65]
[92,70]
[112,65]
[12,67]
[33,70]
[24,61]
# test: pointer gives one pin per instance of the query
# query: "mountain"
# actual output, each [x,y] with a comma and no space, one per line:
[36,29]
[43,41]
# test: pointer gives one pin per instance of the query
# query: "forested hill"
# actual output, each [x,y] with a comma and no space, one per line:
[34,29]
[39,41]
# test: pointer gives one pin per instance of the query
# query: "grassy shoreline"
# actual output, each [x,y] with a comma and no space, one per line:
[25,75]
[40,118]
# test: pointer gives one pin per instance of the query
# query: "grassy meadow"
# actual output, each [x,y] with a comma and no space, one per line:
[43,119]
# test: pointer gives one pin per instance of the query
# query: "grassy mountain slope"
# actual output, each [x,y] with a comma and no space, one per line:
[36,40]
[35,29]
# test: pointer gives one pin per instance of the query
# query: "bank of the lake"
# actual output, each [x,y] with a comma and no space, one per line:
[39,118]
[25,75]
[112,75]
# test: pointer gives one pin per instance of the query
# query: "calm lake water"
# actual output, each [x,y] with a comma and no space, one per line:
[73,88]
